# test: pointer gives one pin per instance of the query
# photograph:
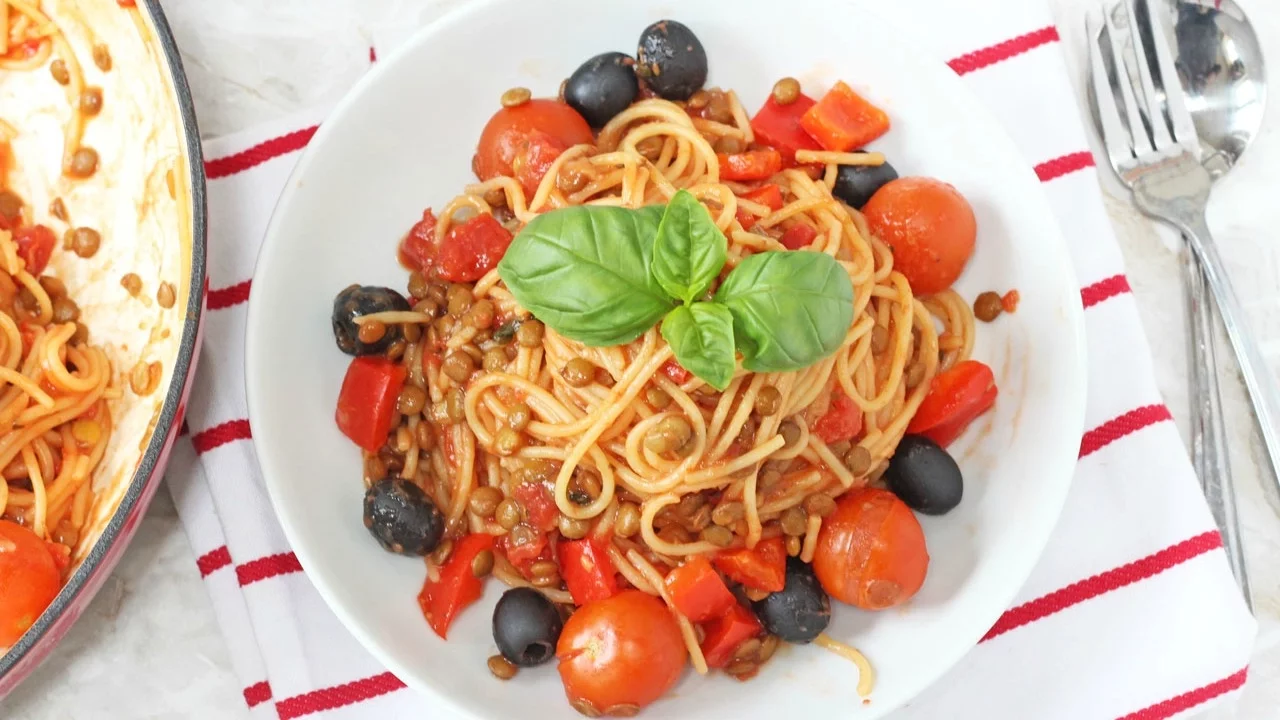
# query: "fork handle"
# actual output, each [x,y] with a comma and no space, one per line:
[1209,452]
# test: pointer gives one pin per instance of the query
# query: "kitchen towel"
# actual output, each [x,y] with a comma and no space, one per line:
[1132,612]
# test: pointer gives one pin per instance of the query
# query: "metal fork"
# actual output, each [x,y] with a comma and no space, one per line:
[1154,150]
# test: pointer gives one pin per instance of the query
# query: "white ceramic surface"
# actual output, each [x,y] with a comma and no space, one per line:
[388,151]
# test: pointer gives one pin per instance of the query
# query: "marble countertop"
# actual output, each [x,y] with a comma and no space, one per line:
[148,646]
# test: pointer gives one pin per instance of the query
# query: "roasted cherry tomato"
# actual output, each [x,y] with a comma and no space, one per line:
[930,228]
[871,551]
[528,137]
[761,568]
[843,421]
[28,578]
[956,398]
[472,249]
[35,246]
[623,652]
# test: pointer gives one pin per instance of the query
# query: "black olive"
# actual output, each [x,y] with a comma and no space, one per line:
[801,611]
[855,184]
[924,476]
[526,626]
[358,300]
[671,60]
[602,87]
[402,518]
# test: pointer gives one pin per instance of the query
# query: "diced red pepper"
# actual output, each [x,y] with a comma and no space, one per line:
[472,249]
[35,246]
[457,586]
[535,154]
[750,165]
[587,570]
[725,633]
[798,236]
[842,421]
[1009,301]
[843,120]
[762,568]
[956,398]
[675,372]
[418,248]
[540,509]
[778,126]
[697,590]
[368,399]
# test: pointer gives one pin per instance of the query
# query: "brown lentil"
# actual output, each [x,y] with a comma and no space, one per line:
[819,504]
[545,570]
[768,479]
[988,306]
[793,521]
[484,501]
[790,432]
[412,332]
[371,332]
[794,545]
[573,528]
[570,179]
[404,439]
[132,283]
[442,552]
[628,520]
[650,147]
[481,315]
[397,349]
[786,91]
[768,400]
[657,398]
[579,372]
[718,535]
[879,339]
[65,310]
[507,442]
[166,296]
[767,648]
[674,534]
[418,285]
[458,365]
[670,433]
[502,668]
[10,204]
[519,417]
[412,400]
[508,513]
[84,162]
[58,209]
[455,405]
[91,101]
[529,334]
[730,145]
[516,96]
[699,100]
[424,437]
[460,299]
[718,108]
[858,460]
[747,650]
[584,707]
[58,69]
[726,514]
[623,710]
[915,375]
[102,57]
[482,563]
[145,378]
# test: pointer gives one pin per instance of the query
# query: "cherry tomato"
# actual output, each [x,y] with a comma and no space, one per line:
[29,578]
[515,136]
[956,398]
[472,249]
[798,236]
[871,551]
[35,245]
[930,228]
[623,651]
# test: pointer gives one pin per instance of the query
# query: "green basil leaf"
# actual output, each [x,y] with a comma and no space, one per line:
[790,309]
[701,336]
[689,250]
[584,271]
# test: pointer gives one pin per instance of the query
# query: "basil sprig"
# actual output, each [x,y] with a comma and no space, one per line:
[604,275]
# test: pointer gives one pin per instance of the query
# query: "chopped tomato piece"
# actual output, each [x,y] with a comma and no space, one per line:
[750,165]
[778,126]
[762,568]
[798,236]
[767,194]
[843,120]
[587,570]
[697,590]
[956,397]
[472,249]
[539,506]
[418,248]
[457,586]
[675,372]
[35,246]
[368,400]
[522,141]
[536,546]
[843,421]
[1009,301]
[725,633]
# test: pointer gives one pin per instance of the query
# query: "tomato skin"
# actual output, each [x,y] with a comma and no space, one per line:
[871,551]
[539,506]
[587,570]
[930,228]
[843,421]
[367,400]
[472,249]
[457,586]
[29,577]
[509,138]
[418,248]
[1009,301]
[523,555]
[761,568]
[675,372]
[725,633]
[35,246]
[956,398]
[697,591]
[626,650]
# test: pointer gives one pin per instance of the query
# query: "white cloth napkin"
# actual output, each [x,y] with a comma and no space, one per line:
[1131,614]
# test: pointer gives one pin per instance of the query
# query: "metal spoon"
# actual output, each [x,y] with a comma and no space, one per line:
[1220,66]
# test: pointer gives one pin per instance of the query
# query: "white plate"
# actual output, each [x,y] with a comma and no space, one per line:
[403,140]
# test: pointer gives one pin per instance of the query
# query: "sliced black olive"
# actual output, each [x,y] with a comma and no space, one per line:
[924,476]
[358,300]
[801,611]
[671,60]
[602,87]
[855,184]
[526,627]
[402,518]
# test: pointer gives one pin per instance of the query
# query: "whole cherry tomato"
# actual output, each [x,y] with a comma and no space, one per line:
[930,228]
[29,580]
[871,551]
[522,141]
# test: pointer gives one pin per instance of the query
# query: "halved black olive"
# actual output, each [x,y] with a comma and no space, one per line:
[602,87]
[855,184]
[402,518]
[924,476]
[800,611]
[357,300]
[671,60]
[526,627]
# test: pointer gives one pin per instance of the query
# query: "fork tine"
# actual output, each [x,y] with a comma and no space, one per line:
[1154,107]
[1141,140]
[1114,134]
[1184,129]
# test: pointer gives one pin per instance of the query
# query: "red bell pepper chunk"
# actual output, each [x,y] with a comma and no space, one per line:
[368,399]
[750,165]
[457,586]
[762,568]
[778,126]
[675,372]
[843,120]
[798,236]
[697,590]
[418,248]
[955,399]
[587,570]
[35,246]
[725,633]
[769,195]
[472,249]
[540,509]
[842,421]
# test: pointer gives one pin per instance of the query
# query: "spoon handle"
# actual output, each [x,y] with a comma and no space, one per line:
[1209,452]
